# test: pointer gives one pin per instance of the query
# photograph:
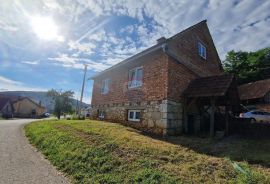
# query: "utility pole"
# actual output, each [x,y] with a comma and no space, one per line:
[77,106]
[80,106]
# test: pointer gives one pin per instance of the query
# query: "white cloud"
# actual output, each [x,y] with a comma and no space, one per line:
[128,29]
[97,36]
[93,29]
[14,85]
[7,27]
[86,48]
[53,5]
[77,63]
[31,62]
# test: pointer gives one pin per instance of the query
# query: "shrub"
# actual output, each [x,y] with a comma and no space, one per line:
[76,117]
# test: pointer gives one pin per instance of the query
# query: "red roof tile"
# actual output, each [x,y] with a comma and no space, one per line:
[254,90]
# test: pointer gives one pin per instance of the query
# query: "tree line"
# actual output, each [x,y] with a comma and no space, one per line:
[248,66]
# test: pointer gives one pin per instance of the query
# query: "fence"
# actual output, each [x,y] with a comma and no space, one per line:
[243,126]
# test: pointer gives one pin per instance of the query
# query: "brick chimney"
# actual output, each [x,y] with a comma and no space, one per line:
[161,40]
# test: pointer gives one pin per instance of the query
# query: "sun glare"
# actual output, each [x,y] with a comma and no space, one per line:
[45,28]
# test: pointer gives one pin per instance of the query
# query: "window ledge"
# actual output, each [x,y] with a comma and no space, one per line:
[136,87]
[204,58]
[134,120]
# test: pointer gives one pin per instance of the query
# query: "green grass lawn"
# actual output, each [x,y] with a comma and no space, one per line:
[99,152]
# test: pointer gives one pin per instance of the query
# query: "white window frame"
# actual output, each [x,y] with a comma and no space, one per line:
[134,115]
[101,114]
[105,86]
[202,50]
[137,83]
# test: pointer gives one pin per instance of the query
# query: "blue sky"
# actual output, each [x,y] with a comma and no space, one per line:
[44,44]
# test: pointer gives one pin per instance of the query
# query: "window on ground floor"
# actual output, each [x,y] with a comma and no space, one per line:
[101,114]
[134,115]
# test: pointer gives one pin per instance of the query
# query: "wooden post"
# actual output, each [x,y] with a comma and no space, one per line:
[226,120]
[212,117]
[201,108]
[185,116]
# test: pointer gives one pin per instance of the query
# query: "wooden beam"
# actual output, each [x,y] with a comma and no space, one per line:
[192,102]
[212,117]
[226,120]
[185,116]
[205,111]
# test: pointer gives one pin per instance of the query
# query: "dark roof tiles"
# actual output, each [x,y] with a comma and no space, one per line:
[213,86]
[254,90]
[3,102]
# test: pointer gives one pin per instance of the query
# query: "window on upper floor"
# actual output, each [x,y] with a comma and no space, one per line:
[134,115]
[105,86]
[202,50]
[135,77]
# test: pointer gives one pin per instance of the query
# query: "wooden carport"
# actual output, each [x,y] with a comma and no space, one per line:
[207,93]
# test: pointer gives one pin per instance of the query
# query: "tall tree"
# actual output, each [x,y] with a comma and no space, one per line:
[248,66]
[62,101]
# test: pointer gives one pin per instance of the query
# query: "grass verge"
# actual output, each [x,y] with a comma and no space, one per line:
[96,152]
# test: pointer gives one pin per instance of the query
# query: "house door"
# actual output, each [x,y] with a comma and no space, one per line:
[190,124]
[33,113]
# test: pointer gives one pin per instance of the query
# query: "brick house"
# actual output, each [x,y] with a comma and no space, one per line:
[146,91]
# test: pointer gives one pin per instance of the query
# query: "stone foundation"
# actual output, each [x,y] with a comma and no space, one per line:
[162,117]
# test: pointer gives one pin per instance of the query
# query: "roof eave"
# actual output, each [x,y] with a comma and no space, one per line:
[137,56]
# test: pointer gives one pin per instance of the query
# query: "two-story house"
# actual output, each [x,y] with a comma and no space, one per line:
[146,91]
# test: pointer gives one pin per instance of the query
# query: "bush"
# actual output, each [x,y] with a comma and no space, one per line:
[76,117]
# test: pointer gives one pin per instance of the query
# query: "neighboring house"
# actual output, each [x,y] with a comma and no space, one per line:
[149,90]
[256,93]
[25,107]
[86,111]
[6,110]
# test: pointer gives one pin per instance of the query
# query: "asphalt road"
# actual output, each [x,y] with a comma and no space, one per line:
[19,161]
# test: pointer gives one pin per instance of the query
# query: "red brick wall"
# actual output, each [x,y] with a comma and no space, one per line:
[179,78]
[154,82]
[186,46]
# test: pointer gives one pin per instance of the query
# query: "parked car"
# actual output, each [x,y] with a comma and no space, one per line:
[45,115]
[256,116]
